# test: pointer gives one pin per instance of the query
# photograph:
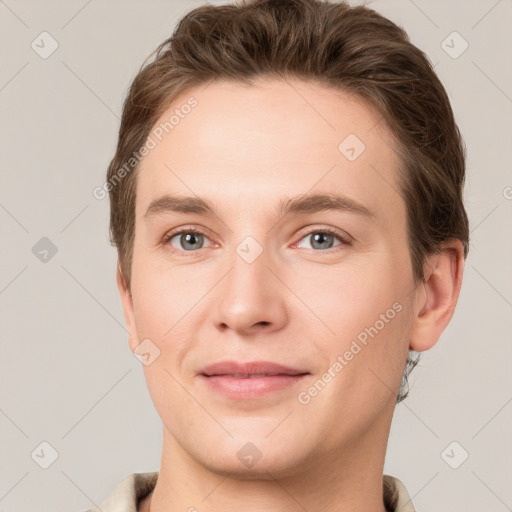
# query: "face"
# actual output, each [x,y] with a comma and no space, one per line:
[301,261]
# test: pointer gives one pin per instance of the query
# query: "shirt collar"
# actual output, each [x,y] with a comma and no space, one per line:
[126,496]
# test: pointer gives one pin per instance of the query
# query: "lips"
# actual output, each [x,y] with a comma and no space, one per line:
[251,380]
[249,370]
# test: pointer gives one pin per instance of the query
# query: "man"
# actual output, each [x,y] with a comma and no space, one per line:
[286,202]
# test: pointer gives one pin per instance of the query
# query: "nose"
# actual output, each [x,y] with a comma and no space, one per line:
[251,298]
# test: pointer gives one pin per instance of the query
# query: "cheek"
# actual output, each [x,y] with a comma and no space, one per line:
[163,297]
[352,297]
[153,312]
[366,309]
[169,306]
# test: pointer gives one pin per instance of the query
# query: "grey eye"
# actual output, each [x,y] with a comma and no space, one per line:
[188,240]
[321,240]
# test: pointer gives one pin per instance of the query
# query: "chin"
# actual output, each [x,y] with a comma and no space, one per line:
[252,458]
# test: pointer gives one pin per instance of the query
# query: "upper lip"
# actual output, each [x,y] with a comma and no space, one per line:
[235,369]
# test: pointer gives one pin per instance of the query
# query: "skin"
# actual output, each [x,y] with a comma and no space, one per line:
[244,148]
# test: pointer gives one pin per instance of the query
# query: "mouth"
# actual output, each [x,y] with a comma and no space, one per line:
[249,370]
[250,380]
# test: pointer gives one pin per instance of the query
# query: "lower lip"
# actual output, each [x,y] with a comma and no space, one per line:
[250,387]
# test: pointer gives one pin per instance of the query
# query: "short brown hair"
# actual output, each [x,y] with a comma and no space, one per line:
[354,49]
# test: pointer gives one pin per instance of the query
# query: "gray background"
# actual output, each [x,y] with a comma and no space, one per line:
[68,377]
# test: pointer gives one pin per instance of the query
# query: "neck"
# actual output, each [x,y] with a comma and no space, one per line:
[346,480]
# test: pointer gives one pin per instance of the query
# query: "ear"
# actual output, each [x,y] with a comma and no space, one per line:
[127,303]
[438,295]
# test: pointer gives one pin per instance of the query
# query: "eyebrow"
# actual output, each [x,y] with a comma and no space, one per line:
[299,205]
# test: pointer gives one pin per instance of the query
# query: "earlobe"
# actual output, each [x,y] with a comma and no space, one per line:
[127,304]
[439,295]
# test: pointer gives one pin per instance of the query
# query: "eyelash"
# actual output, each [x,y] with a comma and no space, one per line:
[344,241]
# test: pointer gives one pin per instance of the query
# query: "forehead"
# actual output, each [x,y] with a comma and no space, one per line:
[248,145]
